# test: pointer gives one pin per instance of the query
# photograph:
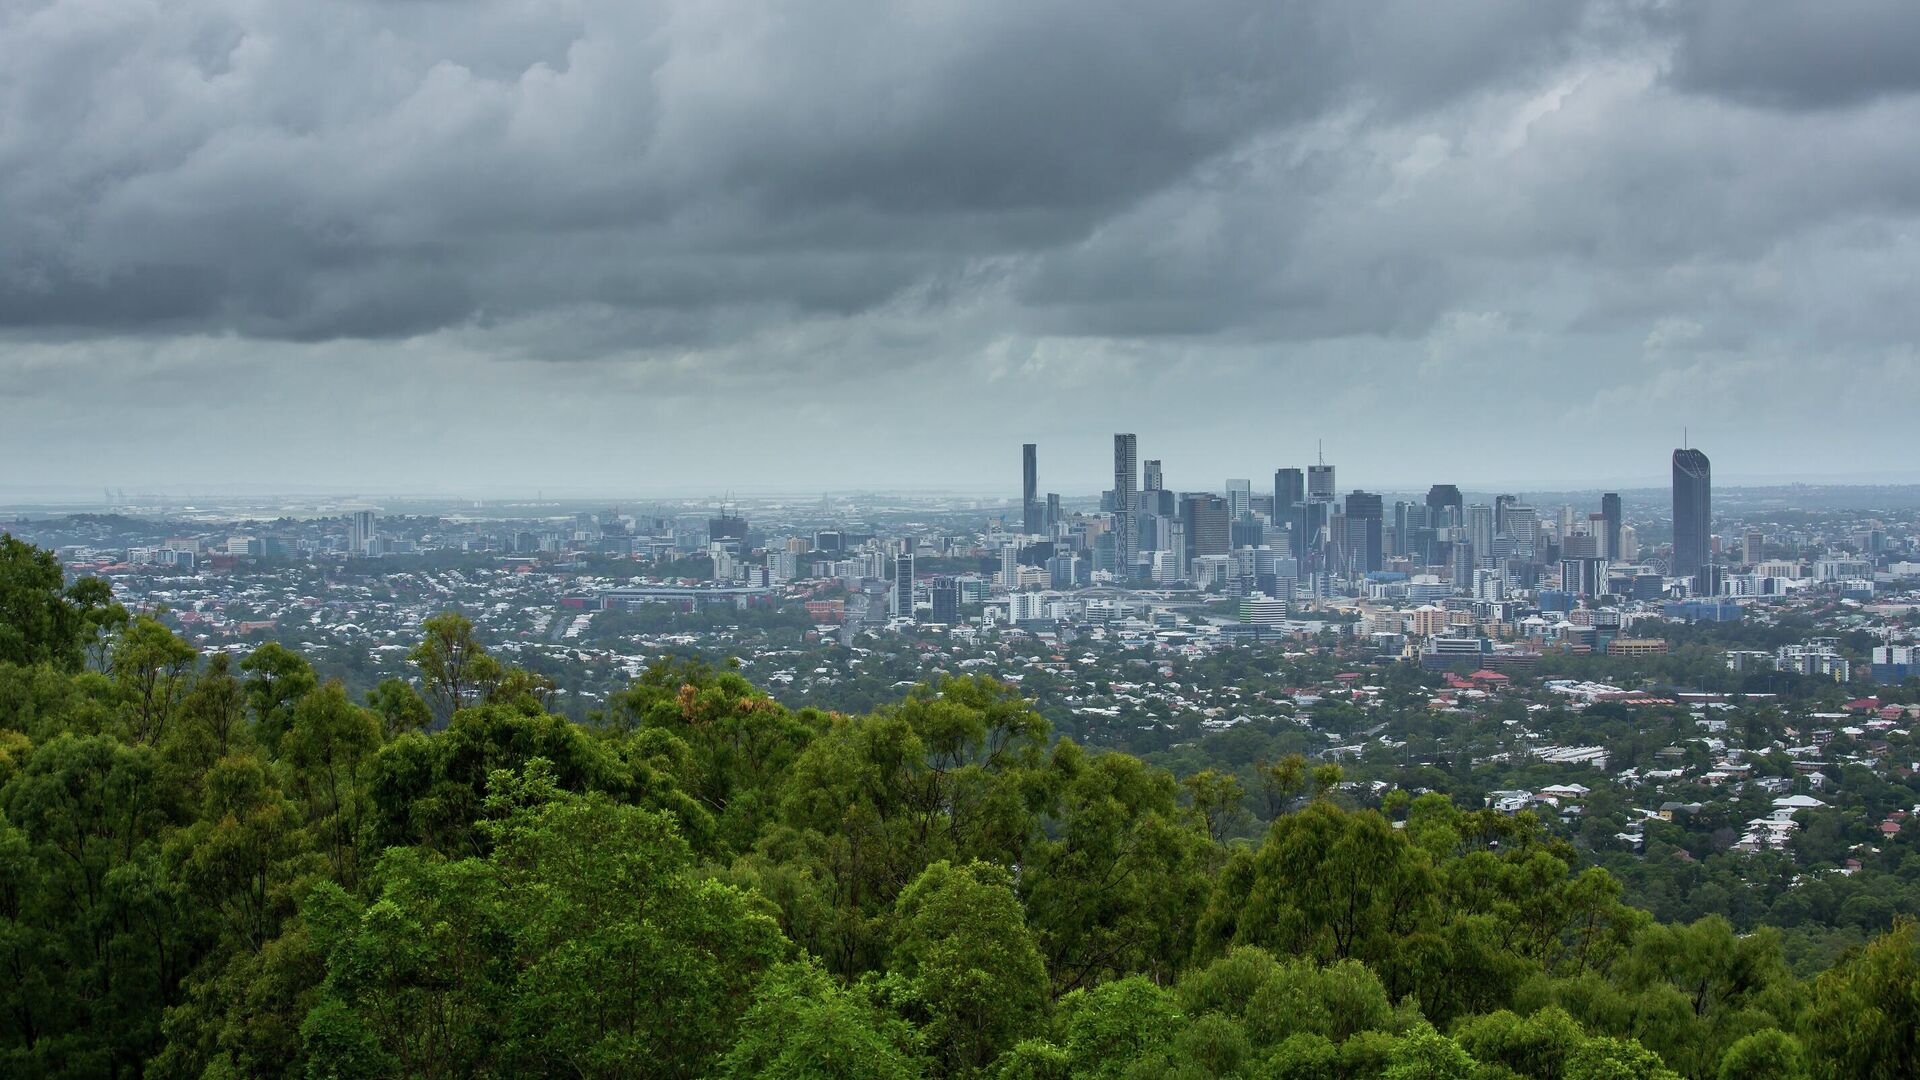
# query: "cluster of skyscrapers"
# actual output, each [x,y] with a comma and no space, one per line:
[1305,532]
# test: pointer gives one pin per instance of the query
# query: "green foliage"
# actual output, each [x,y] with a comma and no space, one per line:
[965,964]
[219,871]
[1865,1017]
[803,1025]
[40,621]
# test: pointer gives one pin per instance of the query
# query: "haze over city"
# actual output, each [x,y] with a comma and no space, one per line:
[694,247]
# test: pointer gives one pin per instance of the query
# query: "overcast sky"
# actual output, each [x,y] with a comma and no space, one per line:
[685,247]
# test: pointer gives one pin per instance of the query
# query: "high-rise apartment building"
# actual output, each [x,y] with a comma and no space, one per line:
[1126,473]
[360,532]
[1480,531]
[903,580]
[1153,480]
[1692,511]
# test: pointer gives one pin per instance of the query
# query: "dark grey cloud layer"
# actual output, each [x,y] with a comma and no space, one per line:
[376,169]
[780,208]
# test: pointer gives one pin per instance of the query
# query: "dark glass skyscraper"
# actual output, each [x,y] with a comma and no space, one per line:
[1205,516]
[1363,514]
[1443,499]
[1289,487]
[1126,503]
[1029,488]
[1290,507]
[1610,513]
[1692,511]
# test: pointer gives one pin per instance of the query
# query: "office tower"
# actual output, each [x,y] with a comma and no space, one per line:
[1319,505]
[946,600]
[1610,512]
[1029,488]
[1126,470]
[903,580]
[1750,548]
[1320,483]
[1205,517]
[1063,570]
[1444,506]
[1500,504]
[360,532]
[1692,511]
[1363,538]
[1629,543]
[1523,525]
[1053,510]
[1290,507]
[1239,499]
[1153,481]
[1406,518]
[1582,567]
[1289,487]
[1480,530]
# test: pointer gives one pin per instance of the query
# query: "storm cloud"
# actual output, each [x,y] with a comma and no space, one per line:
[1232,223]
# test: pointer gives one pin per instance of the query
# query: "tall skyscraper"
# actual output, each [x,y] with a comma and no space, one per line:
[1029,488]
[1290,507]
[1154,496]
[1207,530]
[1320,483]
[1463,564]
[1363,514]
[1610,512]
[1500,504]
[359,532]
[1406,518]
[1239,498]
[1289,487]
[1444,506]
[1126,472]
[1523,525]
[903,580]
[946,600]
[1480,531]
[1692,511]
[1053,511]
[1319,505]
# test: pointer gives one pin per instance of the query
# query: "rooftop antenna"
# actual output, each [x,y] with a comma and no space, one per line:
[1684,445]
[1321,450]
